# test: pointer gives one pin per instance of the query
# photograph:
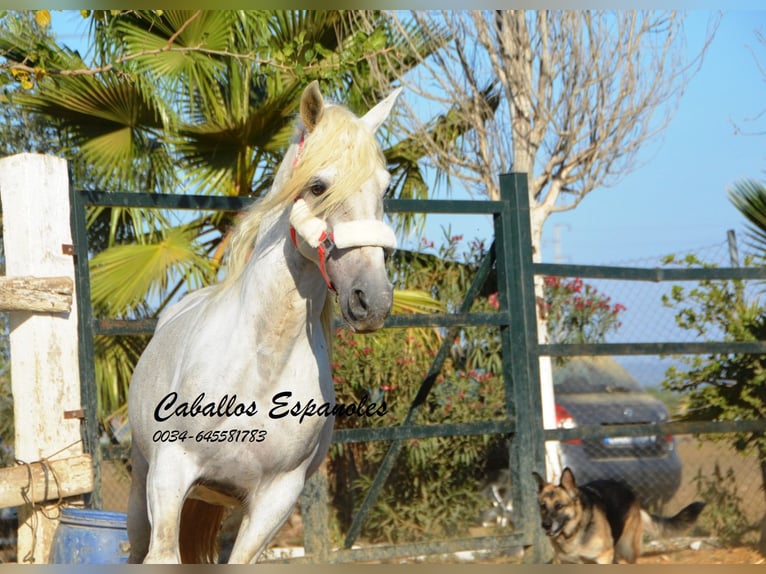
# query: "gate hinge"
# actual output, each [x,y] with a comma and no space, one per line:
[67,249]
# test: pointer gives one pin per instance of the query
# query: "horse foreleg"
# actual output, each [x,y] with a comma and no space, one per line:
[265,512]
[166,487]
[138,519]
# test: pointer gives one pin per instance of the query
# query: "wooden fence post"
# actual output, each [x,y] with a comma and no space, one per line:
[34,191]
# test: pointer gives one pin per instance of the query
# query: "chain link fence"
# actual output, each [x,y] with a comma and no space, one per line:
[672,471]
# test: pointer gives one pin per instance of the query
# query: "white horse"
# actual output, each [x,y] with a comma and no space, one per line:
[232,402]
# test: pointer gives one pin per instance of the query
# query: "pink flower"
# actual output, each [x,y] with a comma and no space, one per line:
[575,285]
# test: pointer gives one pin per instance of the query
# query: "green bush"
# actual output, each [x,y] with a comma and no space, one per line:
[724,516]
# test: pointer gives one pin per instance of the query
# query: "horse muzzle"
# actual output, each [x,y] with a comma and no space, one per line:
[365,305]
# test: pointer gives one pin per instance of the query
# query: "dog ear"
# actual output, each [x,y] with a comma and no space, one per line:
[568,482]
[540,481]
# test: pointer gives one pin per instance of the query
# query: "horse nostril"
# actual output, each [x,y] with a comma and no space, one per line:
[358,305]
[361,300]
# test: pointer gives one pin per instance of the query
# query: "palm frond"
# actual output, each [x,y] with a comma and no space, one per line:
[416,301]
[126,275]
[112,126]
[116,360]
[749,197]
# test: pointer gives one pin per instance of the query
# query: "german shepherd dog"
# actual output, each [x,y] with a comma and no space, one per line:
[601,521]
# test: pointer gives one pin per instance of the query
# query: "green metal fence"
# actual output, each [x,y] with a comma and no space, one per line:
[511,258]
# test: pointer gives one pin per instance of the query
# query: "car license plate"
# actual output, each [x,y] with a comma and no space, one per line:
[629,440]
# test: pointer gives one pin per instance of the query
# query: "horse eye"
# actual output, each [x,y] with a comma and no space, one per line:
[317,187]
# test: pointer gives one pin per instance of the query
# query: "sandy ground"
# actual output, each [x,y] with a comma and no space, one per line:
[740,555]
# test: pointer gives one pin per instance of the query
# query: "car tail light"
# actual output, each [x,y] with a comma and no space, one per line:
[564,420]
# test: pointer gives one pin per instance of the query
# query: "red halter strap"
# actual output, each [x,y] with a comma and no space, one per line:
[325,247]
[326,242]
[298,153]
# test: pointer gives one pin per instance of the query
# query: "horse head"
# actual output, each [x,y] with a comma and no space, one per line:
[340,178]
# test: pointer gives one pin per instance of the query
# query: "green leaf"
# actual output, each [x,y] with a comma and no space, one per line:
[126,275]
[416,301]
[749,197]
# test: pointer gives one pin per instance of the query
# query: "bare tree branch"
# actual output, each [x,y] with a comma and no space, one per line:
[581,93]
[761,38]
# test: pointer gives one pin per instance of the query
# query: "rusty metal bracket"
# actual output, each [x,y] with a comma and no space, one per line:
[67,249]
[75,414]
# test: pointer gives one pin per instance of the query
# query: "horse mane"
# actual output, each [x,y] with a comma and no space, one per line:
[340,141]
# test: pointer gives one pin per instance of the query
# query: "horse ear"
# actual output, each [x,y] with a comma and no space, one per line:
[312,106]
[377,115]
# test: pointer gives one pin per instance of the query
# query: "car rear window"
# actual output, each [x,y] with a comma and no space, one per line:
[593,375]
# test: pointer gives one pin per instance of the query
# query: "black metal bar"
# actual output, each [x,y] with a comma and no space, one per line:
[501,222]
[521,363]
[114,327]
[315,512]
[88,387]
[650,429]
[580,349]
[369,434]
[235,203]
[165,200]
[656,275]
[448,320]
[441,206]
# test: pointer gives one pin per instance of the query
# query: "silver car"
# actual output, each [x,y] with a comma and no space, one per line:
[599,391]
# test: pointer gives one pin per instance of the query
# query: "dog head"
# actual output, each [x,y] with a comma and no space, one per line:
[560,507]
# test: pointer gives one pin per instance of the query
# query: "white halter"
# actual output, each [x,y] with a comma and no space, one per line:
[314,232]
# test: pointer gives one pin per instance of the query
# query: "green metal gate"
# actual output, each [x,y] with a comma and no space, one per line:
[511,258]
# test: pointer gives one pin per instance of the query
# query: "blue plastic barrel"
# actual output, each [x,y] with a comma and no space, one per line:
[86,536]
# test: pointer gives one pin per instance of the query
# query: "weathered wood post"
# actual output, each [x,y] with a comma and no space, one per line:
[34,191]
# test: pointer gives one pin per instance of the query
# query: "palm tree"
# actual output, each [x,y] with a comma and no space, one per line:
[214,92]
[749,197]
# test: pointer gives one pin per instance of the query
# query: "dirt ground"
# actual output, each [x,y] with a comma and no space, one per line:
[741,555]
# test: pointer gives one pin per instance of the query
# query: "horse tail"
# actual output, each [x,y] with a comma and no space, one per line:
[200,524]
